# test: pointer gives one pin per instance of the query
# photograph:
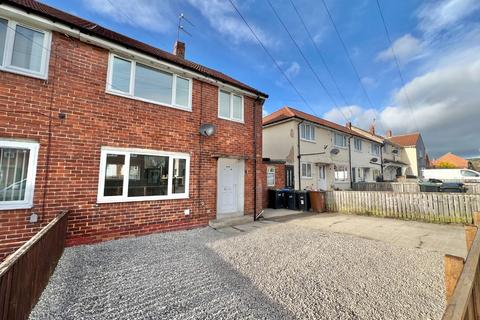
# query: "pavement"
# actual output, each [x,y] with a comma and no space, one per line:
[289,265]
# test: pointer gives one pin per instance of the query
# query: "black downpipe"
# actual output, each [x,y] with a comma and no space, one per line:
[299,157]
[350,161]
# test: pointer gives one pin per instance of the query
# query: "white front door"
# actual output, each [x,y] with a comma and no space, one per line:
[230,187]
[322,177]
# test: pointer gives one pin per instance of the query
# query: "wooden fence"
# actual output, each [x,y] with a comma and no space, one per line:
[25,273]
[472,188]
[462,279]
[421,206]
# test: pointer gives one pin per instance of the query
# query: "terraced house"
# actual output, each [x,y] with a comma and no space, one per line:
[130,138]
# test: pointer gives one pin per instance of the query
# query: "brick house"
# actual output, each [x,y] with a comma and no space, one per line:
[108,127]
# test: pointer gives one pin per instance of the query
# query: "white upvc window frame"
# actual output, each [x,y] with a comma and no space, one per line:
[27,202]
[131,93]
[127,152]
[344,139]
[6,60]
[271,172]
[341,168]
[374,146]
[306,164]
[231,93]
[355,140]
[303,132]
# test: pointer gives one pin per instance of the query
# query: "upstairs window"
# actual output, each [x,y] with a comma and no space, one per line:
[340,140]
[18,161]
[357,144]
[131,79]
[375,149]
[23,49]
[307,132]
[230,106]
[137,175]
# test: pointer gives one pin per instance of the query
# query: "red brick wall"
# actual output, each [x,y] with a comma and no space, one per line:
[279,179]
[76,86]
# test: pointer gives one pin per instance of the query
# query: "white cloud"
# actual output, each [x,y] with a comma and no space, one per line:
[437,15]
[444,104]
[356,114]
[223,18]
[293,70]
[405,48]
[146,14]
[369,82]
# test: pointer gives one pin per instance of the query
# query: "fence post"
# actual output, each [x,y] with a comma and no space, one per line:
[453,269]
[470,233]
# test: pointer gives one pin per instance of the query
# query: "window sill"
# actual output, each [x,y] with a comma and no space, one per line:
[307,178]
[16,206]
[233,120]
[24,73]
[138,199]
[310,141]
[123,95]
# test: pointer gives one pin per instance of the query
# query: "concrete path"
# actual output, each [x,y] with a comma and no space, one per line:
[442,238]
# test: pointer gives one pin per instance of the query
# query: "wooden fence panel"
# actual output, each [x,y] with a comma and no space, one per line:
[421,206]
[25,273]
[407,187]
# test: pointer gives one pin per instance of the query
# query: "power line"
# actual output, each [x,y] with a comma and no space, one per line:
[319,53]
[347,53]
[306,60]
[272,58]
[387,33]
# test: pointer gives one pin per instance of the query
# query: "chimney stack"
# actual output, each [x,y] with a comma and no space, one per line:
[389,133]
[372,129]
[179,49]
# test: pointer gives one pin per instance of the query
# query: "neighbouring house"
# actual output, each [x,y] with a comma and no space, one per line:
[450,160]
[130,138]
[316,151]
[414,152]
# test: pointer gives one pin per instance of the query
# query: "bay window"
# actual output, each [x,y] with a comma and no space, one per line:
[24,49]
[138,81]
[18,161]
[136,175]
[230,106]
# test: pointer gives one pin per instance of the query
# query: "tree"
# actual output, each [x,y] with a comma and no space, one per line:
[445,165]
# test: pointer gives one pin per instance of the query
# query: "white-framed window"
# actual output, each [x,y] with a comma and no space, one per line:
[24,49]
[271,176]
[357,143]
[375,174]
[307,132]
[18,166]
[230,106]
[142,175]
[132,79]
[306,170]
[375,149]
[341,173]
[340,140]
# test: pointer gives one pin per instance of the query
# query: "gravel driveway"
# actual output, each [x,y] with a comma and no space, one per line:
[282,271]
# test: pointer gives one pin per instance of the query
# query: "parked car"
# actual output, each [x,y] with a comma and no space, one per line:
[452,175]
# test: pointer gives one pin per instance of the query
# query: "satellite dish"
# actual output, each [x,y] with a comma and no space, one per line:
[207,130]
[373,160]
[335,151]
[395,151]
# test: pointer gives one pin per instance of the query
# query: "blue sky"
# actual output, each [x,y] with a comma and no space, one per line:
[437,43]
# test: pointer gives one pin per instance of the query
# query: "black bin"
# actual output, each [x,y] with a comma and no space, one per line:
[276,198]
[291,200]
[303,200]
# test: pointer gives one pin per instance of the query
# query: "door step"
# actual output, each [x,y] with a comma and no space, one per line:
[229,222]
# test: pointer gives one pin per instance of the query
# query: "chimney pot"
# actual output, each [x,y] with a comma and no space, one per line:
[179,49]
[372,129]
[389,133]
